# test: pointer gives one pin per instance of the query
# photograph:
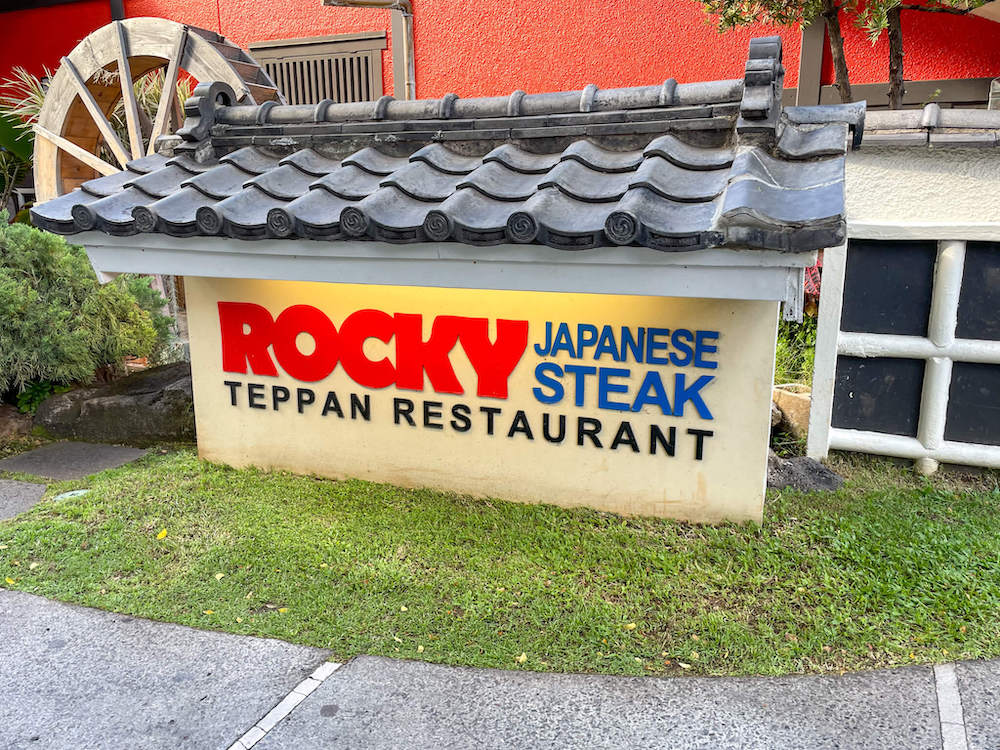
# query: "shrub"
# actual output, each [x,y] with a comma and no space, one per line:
[57,323]
[150,300]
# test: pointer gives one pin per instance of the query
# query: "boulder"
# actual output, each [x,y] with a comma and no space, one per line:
[800,473]
[793,401]
[149,407]
[13,423]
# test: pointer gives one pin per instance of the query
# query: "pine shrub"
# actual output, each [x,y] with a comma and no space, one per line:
[57,324]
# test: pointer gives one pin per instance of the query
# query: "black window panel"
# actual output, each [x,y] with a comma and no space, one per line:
[878,394]
[974,404]
[887,286]
[979,303]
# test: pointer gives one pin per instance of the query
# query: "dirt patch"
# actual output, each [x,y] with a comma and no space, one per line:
[800,473]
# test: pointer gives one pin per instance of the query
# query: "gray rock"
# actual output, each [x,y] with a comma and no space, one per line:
[17,497]
[70,460]
[776,415]
[800,473]
[13,423]
[142,409]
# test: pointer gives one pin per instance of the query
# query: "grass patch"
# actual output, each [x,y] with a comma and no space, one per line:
[893,569]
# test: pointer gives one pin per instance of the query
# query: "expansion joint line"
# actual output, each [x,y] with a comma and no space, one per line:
[953,734]
[298,694]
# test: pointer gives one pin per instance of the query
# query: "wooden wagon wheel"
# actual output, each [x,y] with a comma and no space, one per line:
[74,138]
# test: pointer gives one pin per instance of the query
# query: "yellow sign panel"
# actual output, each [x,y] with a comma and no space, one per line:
[638,405]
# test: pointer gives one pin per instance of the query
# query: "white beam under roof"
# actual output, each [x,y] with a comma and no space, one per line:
[708,274]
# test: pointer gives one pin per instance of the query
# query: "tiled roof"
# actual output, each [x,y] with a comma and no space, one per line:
[671,166]
[933,125]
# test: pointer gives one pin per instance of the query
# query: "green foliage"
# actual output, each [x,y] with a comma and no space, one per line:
[35,393]
[150,300]
[795,352]
[870,15]
[15,155]
[56,323]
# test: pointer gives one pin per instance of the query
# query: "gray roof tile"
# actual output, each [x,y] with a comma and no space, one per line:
[222,182]
[674,150]
[805,142]
[671,167]
[678,184]
[933,126]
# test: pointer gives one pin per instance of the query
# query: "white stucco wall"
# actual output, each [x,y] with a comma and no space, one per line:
[925,192]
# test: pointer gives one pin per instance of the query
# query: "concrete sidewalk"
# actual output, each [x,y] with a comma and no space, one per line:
[74,677]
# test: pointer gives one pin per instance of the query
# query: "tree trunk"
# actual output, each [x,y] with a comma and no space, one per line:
[895,32]
[831,16]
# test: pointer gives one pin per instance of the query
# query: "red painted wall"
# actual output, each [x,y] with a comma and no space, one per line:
[41,36]
[487,47]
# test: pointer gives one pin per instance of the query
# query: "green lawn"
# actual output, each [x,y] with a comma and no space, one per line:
[890,570]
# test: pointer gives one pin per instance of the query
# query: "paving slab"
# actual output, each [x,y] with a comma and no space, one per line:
[375,703]
[16,497]
[70,460]
[979,686]
[73,677]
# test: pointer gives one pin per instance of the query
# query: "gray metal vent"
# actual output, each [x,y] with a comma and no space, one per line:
[344,68]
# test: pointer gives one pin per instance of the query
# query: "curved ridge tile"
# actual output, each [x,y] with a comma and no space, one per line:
[286,182]
[349,182]
[251,159]
[645,217]
[243,215]
[374,161]
[469,215]
[809,143]
[796,175]
[57,216]
[673,149]
[146,164]
[311,162]
[582,183]
[677,183]
[495,180]
[162,182]
[107,185]
[522,161]
[220,182]
[774,206]
[602,159]
[554,218]
[387,214]
[315,215]
[421,181]
[194,167]
[445,160]
[174,215]
[113,214]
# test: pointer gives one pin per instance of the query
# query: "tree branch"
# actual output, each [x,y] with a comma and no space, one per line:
[936,9]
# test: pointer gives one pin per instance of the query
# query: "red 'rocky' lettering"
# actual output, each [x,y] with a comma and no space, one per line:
[252,339]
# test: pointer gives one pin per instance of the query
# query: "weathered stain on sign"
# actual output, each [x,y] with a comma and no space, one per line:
[633,404]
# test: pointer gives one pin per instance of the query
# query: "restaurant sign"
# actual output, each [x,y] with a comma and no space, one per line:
[644,405]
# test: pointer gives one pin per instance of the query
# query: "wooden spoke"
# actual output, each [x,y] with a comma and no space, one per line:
[79,152]
[110,136]
[167,94]
[128,92]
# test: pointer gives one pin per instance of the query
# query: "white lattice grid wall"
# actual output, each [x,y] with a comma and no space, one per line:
[939,350]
